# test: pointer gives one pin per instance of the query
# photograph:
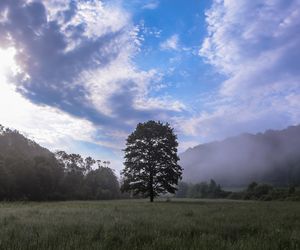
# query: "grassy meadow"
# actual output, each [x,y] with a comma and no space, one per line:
[138,224]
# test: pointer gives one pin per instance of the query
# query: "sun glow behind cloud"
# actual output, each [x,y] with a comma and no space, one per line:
[49,126]
[52,127]
[8,67]
[8,64]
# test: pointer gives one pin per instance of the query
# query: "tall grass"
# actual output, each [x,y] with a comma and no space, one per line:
[140,225]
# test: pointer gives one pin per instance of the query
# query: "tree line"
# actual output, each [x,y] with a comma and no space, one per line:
[254,191]
[60,176]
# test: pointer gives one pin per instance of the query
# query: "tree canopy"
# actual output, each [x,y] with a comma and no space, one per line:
[151,160]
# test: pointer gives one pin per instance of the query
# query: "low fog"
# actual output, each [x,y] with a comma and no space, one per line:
[272,157]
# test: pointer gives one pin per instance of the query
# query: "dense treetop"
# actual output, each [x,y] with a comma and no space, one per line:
[151,161]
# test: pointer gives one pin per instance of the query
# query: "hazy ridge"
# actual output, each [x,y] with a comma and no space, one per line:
[271,157]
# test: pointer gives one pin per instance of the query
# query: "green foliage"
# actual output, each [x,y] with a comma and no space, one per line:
[102,184]
[200,190]
[292,189]
[258,191]
[252,186]
[235,195]
[254,191]
[30,172]
[151,161]
[267,192]
[175,225]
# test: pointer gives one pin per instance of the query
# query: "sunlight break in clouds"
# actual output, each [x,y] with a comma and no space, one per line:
[7,63]
[255,44]
[49,126]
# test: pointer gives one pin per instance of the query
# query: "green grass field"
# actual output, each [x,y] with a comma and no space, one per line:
[128,224]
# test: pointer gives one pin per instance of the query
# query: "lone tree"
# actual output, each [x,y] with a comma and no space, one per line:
[151,161]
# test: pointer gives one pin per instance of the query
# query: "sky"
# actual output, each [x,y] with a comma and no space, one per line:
[80,75]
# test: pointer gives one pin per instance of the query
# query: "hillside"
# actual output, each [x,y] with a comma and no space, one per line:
[271,157]
[31,172]
[14,144]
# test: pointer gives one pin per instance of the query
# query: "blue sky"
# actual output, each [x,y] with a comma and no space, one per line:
[79,75]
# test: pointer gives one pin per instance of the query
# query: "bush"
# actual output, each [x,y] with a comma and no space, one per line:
[261,190]
[293,198]
[236,195]
[258,192]
[279,194]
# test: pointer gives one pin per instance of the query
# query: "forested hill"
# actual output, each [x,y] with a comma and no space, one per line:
[271,157]
[12,143]
[31,172]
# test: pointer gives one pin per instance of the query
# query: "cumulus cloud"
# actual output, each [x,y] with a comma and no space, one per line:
[255,45]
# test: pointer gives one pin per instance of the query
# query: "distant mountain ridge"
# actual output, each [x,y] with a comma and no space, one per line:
[271,157]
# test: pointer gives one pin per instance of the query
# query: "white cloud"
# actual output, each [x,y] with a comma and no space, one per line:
[99,19]
[3,15]
[171,43]
[151,6]
[122,77]
[54,7]
[161,103]
[255,44]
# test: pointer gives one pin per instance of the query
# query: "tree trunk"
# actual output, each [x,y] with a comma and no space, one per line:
[151,198]
[151,187]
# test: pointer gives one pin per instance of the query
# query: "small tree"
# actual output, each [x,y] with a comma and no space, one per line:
[151,161]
